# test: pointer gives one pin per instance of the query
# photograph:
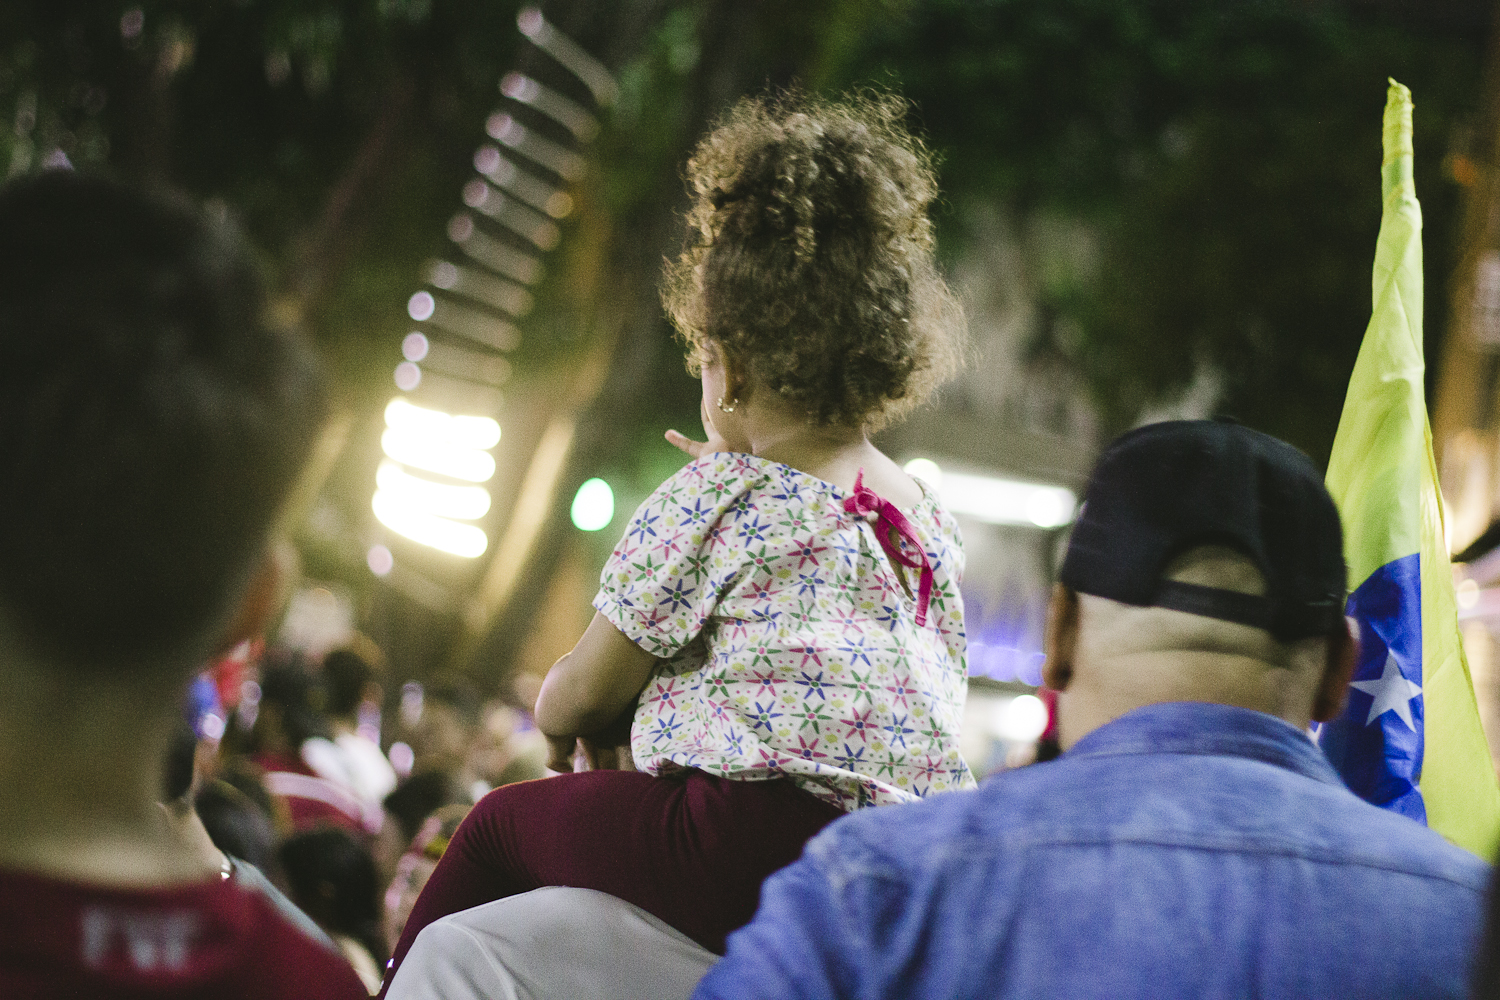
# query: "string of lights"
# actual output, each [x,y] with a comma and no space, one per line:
[430,485]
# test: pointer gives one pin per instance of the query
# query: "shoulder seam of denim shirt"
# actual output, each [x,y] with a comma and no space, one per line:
[971,849]
[1207,729]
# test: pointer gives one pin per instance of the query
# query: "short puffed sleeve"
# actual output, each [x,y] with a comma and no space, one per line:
[679,554]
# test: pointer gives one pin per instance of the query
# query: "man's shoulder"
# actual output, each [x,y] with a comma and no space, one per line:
[1220,805]
[211,939]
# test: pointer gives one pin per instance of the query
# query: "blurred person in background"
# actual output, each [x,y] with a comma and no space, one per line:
[331,876]
[505,750]
[152,426]
[416,864]
[288,722]
[442,737]
[237,825]
[481,745]
[1191,840]
[406,810]
[350,758]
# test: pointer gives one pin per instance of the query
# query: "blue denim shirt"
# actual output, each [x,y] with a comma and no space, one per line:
[1183,850]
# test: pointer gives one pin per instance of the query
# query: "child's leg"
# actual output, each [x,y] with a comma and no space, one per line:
[693,850]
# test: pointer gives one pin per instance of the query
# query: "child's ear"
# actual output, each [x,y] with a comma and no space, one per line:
[264,595]
[736,377]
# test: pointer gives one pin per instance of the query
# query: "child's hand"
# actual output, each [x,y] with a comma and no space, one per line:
[579,753]
[697,449]
[560,753]
[606,756]
[608,749]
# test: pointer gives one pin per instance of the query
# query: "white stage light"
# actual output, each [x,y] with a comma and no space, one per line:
[465,503]
[1021,720]
[481,433]
[998,501]
[435,532]
[420,451]
[421,306]
[926,470]
[408,376]
[380,560]
[414,346]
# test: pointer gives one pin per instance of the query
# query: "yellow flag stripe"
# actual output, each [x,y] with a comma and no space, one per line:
[1384,480]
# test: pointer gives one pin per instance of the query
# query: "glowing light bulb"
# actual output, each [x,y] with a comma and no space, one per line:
[380,560]
[593,506]
[465,503]
[459,432]
[414,347]
[454,537]
[420,452]
[421,306]
[408,376]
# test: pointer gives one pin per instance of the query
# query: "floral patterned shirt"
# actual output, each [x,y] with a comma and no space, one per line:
[788,643]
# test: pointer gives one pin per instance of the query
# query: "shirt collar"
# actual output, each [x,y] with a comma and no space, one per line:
[1195,727]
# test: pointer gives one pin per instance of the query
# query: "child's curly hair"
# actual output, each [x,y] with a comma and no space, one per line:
[809,257]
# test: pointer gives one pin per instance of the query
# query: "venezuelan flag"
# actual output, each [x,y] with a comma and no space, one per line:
[1410,738]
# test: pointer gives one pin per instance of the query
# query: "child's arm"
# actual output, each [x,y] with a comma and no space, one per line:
[589,687]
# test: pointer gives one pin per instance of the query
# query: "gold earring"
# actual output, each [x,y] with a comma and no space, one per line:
[726,409]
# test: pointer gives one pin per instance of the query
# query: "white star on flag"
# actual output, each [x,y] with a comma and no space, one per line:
[1392,693]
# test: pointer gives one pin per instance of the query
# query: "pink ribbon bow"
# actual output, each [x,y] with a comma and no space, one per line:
[888,518]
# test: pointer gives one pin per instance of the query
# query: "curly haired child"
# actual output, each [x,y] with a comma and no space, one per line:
[783,612]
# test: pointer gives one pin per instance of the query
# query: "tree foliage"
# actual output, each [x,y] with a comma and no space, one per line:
[1227,155]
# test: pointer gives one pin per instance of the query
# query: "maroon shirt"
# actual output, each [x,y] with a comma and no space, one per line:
[209,940]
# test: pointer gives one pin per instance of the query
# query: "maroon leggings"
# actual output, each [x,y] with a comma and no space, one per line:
[690,849]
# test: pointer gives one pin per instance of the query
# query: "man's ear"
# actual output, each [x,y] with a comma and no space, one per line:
[1338,671]
[263,596]
[1061,642]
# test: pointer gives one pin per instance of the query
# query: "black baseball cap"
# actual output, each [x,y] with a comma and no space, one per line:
[1162,489]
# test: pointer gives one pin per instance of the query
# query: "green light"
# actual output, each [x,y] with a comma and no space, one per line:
[594,506]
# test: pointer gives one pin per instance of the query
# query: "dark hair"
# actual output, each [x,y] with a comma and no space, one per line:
[810,257]
[296,695]
[332,877]
[245,777]
[418,797]
[459,694]
[152,422]
[177,774]
[345,676]
[237,825]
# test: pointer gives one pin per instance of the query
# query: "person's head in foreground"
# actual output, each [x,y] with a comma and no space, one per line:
[152,424]
[1192,841]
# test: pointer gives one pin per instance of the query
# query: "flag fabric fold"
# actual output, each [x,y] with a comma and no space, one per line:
[1410,738]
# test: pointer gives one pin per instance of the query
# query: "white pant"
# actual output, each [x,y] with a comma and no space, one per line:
[551,944]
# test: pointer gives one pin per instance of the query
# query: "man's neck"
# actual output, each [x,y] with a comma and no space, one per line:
[1097,697]
[81,766]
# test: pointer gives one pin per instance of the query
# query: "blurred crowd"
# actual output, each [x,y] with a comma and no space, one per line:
[288,764]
